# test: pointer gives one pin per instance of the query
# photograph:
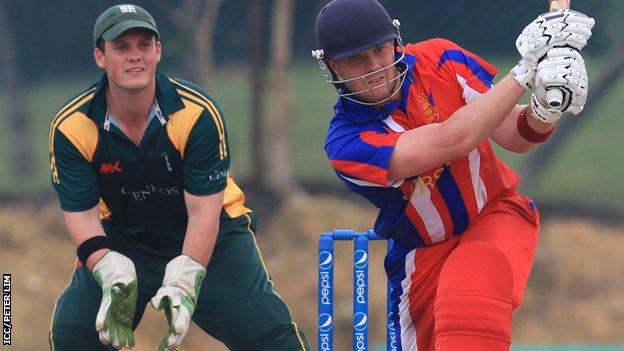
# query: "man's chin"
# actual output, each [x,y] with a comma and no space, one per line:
[135,86]
[378,96]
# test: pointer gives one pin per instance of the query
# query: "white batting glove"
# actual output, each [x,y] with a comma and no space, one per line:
[178,297]
[554,29]
[564,70]
[524,73]
[117,277]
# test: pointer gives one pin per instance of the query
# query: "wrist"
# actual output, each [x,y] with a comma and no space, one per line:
[538,125]
[95,257]
[99,244]
[533,130]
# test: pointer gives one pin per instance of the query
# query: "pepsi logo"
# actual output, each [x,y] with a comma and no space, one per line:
[360,259]
[325,322]
[359,321]
[325,260]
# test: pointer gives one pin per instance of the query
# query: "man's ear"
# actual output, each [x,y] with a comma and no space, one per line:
[100,60]
[159,50]
[332,65]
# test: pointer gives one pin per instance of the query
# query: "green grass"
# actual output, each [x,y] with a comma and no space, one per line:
[588,169]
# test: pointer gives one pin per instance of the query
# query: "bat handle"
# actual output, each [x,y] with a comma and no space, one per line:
[555,5]
[554,97]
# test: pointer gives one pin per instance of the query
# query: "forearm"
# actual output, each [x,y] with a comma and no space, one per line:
[85,225]
[476,121]
[508,133]
[203,225]
[201,235]
[428,146]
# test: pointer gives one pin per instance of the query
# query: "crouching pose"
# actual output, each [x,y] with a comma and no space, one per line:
[141,162]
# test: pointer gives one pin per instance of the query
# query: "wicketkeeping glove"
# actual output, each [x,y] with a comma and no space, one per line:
[117,277]
[178,297]
[564,70]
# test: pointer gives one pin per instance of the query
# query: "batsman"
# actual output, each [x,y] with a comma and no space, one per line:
[141,164]
[412,132]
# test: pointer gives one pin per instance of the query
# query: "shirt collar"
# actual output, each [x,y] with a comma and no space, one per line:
[363,113]
[167,99]
[155,112]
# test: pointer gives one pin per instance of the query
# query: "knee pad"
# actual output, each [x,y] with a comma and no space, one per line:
[473,304]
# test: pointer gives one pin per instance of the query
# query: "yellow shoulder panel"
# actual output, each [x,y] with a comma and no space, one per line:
[234,200]
[181,123]
[67,110]
[193,96]
[82,132]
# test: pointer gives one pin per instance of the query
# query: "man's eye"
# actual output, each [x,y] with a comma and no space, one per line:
[353,58]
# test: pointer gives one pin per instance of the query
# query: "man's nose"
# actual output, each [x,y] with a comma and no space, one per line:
[135,53]
[373,64]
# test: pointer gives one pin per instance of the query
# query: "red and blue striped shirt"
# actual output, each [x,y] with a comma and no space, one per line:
[437,204]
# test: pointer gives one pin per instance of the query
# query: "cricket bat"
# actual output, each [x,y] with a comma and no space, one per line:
[555,96]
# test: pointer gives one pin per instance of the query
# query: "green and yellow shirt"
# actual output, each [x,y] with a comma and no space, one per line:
[139,189]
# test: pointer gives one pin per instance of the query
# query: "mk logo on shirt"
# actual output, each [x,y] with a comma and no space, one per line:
[110,168]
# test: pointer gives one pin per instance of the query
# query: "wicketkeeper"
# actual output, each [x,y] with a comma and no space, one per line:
[141,162]
[412,133]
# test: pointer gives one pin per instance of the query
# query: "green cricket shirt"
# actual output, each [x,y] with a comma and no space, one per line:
[140,189]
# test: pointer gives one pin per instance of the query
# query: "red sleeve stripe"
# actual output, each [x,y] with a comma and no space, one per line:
[364,171]
[380,139]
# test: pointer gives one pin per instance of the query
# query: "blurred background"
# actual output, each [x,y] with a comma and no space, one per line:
[253,56]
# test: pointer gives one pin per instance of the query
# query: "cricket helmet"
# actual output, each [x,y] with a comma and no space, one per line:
[348,27]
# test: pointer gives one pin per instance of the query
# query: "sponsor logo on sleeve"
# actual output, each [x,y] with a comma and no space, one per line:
[218,174]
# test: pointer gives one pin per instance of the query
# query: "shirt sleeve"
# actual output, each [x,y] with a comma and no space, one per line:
[474,75]
[206,157]
[73,177]
[362,156]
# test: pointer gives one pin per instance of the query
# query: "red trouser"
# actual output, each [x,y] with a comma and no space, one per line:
[492,257]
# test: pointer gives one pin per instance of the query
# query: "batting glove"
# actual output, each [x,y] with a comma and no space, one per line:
[562,70]
[117,277]
[178,297]
[524,74]
[554,29]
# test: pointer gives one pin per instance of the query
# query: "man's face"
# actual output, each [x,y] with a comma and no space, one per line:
[130,59]
[374,87]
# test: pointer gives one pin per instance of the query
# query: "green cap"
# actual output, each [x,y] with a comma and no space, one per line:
[119,18]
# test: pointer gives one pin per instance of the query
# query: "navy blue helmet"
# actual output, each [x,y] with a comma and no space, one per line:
[347,27]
